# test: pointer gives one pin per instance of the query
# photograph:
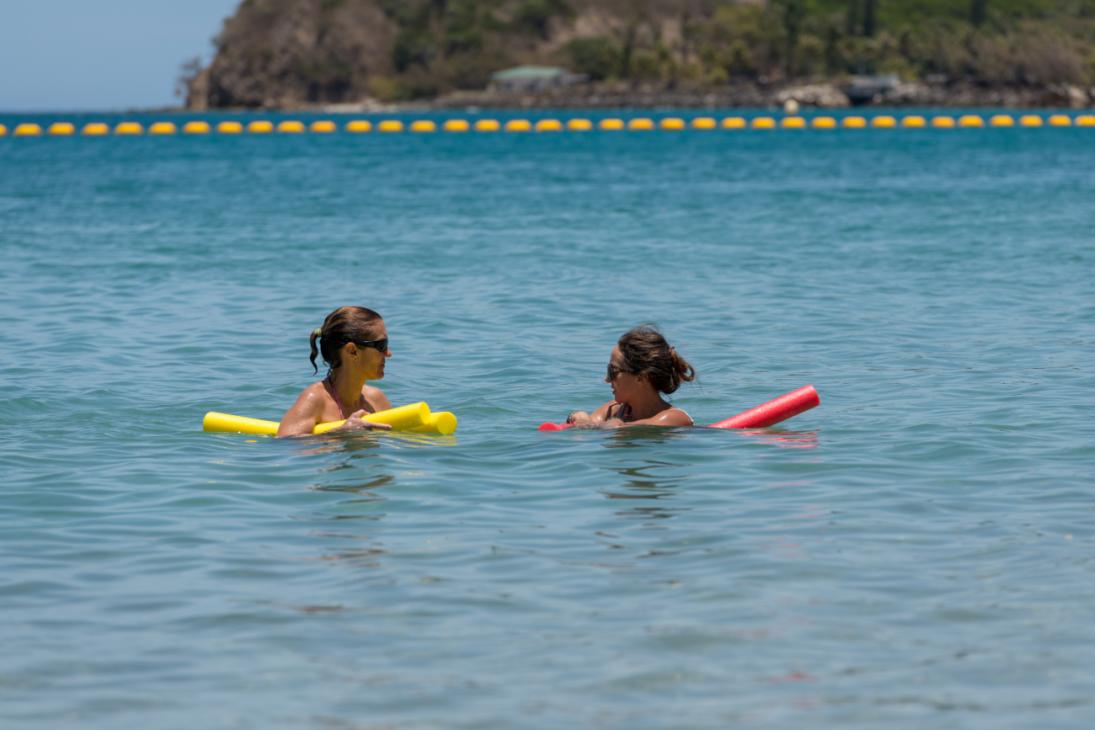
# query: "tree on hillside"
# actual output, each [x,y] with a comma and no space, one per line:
[862,17]
[978,8]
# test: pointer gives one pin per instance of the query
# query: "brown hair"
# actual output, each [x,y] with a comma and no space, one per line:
[645,352]
[345,324]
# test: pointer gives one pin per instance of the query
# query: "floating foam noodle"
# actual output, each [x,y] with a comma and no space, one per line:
[414,417]
[774,411]
[442,423]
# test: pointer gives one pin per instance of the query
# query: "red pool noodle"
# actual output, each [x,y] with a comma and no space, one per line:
[778,409]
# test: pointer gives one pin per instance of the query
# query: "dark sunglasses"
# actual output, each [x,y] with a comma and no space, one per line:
[381,345]
[613,371]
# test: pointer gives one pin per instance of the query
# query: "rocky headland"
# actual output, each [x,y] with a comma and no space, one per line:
[371,54]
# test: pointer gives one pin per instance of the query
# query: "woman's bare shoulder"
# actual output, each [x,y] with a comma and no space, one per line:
[676,417]
[375,397]
[604,410]
[312,394]
[671,416]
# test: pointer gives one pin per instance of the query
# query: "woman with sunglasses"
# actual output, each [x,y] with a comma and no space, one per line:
[354,344]
[642,367]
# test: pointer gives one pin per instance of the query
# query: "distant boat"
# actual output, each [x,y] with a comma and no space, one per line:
[867,89]
[534,78]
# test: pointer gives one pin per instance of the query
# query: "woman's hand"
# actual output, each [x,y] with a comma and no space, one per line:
[357,422]
[580,419]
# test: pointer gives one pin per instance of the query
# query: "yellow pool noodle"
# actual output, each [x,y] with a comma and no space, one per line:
[226,423]
[442,423]
[414,417]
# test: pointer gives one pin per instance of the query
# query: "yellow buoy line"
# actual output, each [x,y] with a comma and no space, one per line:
[517,126]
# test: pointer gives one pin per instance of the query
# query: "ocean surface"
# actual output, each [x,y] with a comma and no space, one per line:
[919,551]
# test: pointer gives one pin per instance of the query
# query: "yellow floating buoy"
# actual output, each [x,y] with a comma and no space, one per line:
[290,126]
[229,127]
[672,124]
[456,125]
[549,125]
[1085,120]
[260,126]
[27,129]
[389,126]
[128,129]
[62,129]
[95,129]
[1001,120]
[323,126]
[764,123]
[943,122]
[854,122]
[1060,120]
[579,125]
[640,124]
[423,126]
[914,122]
[359,126]
[883,122]
[1030,120]
[487,125]
[823,123]
[705,123]
[196,127]
[612,125]
[161,128]
[3,131]
[970,120]
[734,123]
[793,123]
[518,125]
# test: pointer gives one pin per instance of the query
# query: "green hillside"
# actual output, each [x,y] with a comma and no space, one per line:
[294,52]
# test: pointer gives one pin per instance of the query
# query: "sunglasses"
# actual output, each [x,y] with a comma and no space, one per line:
[381,345]
[613,371]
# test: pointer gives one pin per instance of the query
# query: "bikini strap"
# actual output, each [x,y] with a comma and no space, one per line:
[329,385]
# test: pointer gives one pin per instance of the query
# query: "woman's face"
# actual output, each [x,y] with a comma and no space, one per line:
[368,353]
[624,384]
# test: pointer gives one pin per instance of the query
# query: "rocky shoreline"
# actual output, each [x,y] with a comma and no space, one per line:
[820,95]
[804,96]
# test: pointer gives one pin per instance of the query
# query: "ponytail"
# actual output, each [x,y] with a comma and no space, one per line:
[682,370]
[646,352]
[316,334]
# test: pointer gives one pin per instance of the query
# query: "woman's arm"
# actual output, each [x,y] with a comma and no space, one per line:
[303,415]
[581,419]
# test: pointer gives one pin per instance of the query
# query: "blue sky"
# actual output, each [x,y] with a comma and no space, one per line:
[76,55]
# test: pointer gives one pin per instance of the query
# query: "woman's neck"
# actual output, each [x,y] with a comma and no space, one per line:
[347,388]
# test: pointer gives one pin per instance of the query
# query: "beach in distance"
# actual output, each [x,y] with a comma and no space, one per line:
[914,552]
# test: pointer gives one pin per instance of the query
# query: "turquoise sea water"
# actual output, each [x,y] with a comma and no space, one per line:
[917,552]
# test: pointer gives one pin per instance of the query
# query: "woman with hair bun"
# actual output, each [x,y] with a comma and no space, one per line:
[641,368]
[354,344]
